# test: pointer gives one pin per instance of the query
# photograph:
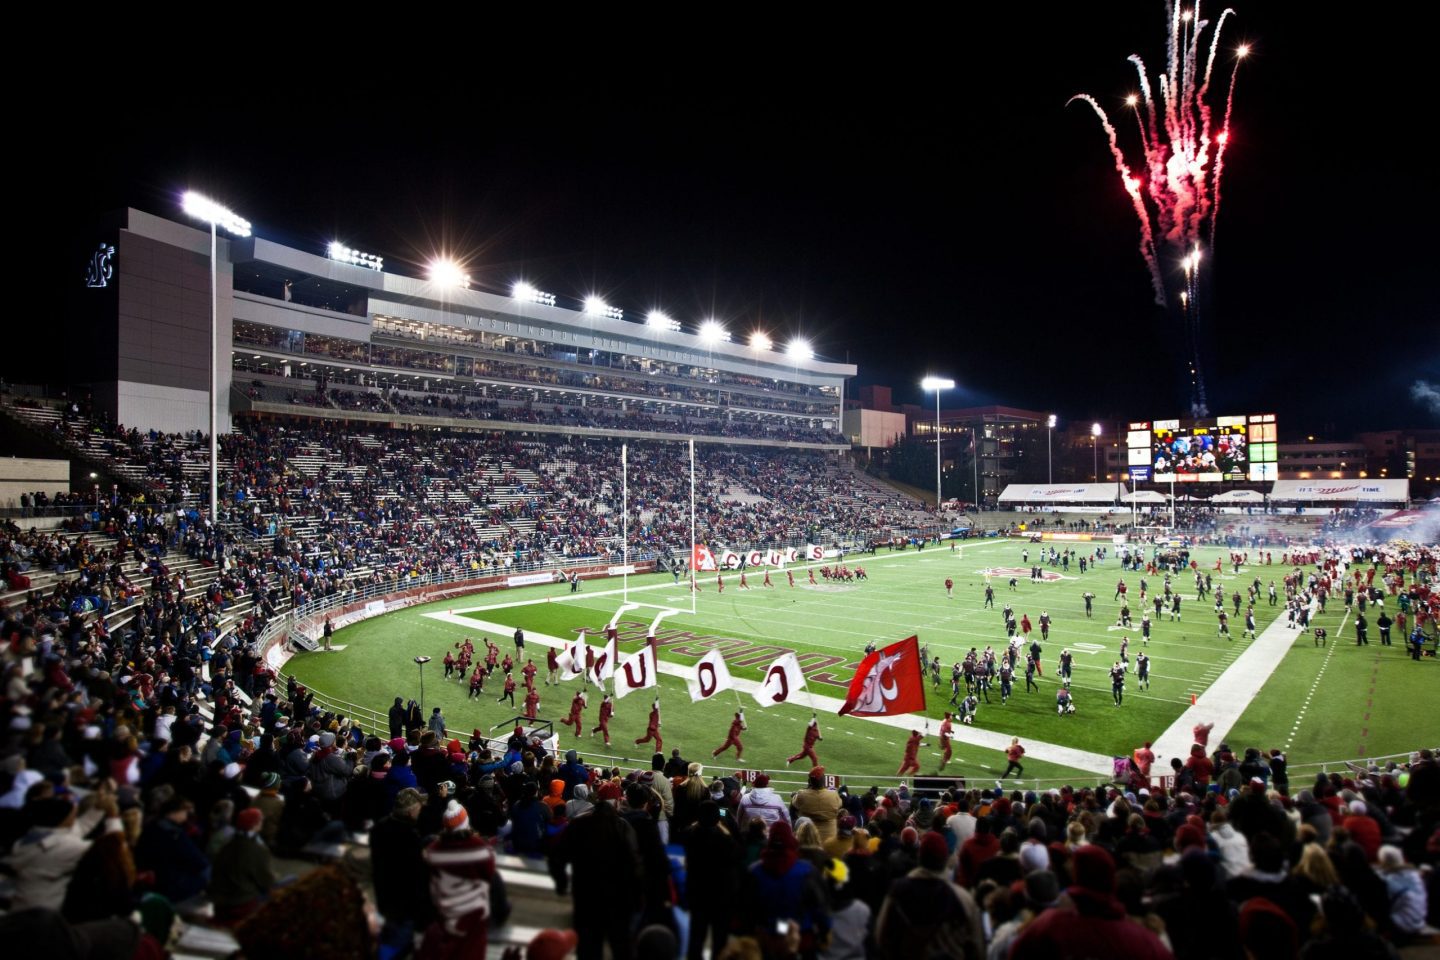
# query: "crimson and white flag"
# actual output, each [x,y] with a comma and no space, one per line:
[637,672]
[888,681]
[711,677]
[782,682]
[603,667]
[701,558]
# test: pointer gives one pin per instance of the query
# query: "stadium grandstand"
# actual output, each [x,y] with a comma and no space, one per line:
[172,787]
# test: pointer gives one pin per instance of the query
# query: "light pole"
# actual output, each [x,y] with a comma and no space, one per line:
[975,461]
[1049,460]
[937,384]
[212,213]
[420,662]
[1094,448]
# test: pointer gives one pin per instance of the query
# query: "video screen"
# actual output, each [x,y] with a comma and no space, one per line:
[1204,451]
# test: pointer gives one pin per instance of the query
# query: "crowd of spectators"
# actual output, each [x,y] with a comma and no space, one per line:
[400,503]
[138,778]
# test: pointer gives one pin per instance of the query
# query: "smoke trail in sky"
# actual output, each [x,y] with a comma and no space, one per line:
[1425,393]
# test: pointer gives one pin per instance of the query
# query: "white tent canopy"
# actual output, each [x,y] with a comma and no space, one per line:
[1062,493]
[1239,496]
[1341,491]
[1145,496]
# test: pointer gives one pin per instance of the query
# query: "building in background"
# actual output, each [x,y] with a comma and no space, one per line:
[1414,454]
[1313,459]
[1009,442]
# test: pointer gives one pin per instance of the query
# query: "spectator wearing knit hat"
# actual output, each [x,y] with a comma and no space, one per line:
[763,803]
[820,804]
[784,886]
[466,888]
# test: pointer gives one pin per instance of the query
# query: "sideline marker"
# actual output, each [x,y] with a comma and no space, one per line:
[1192,699]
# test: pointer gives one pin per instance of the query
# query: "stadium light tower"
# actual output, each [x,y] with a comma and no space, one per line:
[203,208]
[760,340]
[938,384]
[1094,455]
[1049,459]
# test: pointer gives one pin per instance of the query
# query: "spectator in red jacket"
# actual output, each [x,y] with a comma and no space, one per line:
[975,851]
[1200,766]
[1363,829]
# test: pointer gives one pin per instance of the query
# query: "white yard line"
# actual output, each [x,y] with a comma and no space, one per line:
[1227,697]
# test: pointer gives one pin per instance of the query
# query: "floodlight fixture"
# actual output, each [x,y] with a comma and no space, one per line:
[203,208]
[446,273]
[526,293]
[342,253]
[713,332]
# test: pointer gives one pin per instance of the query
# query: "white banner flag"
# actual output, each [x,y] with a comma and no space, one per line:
[637,672]
[782,682]
[572,659]
[711,677]
[604,666]
[814,552]
[730,560]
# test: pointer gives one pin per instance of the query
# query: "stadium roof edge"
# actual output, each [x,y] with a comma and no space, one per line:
[402,289]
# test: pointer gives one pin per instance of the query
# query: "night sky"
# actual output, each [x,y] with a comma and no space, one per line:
[909,210]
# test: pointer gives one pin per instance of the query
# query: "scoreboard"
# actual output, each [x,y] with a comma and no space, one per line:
[1205,451]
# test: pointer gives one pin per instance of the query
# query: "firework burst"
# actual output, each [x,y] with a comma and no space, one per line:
[1174,187]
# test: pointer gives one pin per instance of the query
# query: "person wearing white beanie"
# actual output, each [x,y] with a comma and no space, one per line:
[465,886]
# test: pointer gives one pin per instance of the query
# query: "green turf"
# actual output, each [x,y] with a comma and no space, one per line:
[1365,703]
[904,595]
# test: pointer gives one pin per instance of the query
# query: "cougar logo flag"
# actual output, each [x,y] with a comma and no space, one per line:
[711,677]
[782,682]
[701,558]
[640,670]
[603,666]
[572,659]
[888,681]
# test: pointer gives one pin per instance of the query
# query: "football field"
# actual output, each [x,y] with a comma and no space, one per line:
[1320,704]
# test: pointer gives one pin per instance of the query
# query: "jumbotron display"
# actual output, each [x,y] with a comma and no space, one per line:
[1206,451]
